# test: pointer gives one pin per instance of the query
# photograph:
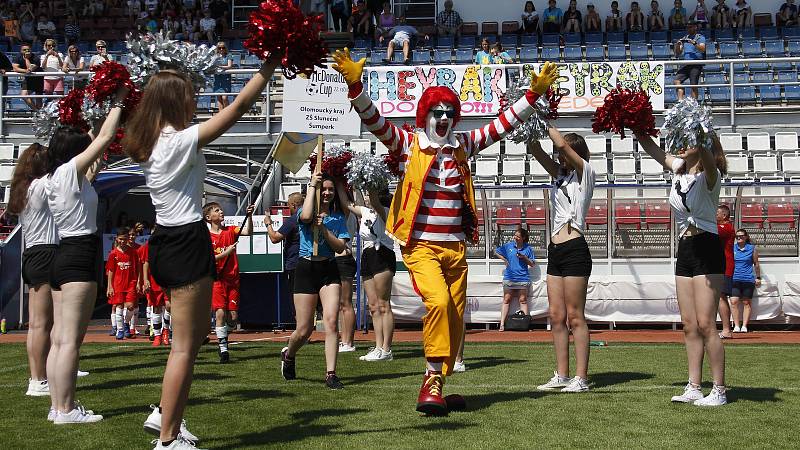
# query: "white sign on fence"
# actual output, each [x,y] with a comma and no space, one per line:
[318,104]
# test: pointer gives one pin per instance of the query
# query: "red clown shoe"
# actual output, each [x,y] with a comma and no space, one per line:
[430,401]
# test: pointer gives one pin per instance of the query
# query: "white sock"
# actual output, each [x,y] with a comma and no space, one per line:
[156,323]
[128,315]
[134,315]
[120,318]
[113,316]
[167,323]
[148,312]
[222,337]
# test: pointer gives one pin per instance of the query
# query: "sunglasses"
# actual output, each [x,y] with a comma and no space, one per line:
[73,51]
[101,46]
[741,236]
[438,113]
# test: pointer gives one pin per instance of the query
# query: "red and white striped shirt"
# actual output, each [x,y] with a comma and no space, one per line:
[439,214]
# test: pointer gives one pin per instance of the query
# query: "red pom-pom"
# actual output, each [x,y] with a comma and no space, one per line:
[392,161]
[408,127]
[115,148]
[108,78]
[624,108]
[335,166]
[279,30]
[555,99]
[69,110]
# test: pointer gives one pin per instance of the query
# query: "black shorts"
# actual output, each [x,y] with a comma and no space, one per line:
[77,259]
[181,255]
[311,276]
[569,259]
[37,264]
[742,289]
[701,254]
[690,71]
[727,286]
[34,85]
[374,261]
[347,267]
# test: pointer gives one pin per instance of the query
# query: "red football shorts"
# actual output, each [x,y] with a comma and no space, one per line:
[123,297]
[225,295]
[156,298]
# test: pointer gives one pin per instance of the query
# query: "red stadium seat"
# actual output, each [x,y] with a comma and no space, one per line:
[752,215]
[597,215]
[656,214]
[535,214]
[781,213]
[509,215]
[628,214]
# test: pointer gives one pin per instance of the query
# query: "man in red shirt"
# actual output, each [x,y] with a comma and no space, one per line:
[225,293]
[727,235]
[123,275]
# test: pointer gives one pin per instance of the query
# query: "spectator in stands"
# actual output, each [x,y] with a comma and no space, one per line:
[741,14]
[93,8]
[52,61]
[571,22]
[170,8]
[151,6]
[614,19]
[593,21]
[677,18]
[133,7]
[448,22]
[746,278]
[700,14]
[517,255]
[690,47]
[721,16]
[386,22]
[74,63]
[500,56]
[171,26]
[150,23]
[72,31]
[530,19]
[360,21]
[787,16]
[207,26]
[27,62]
[551,18]
[190,27]
[222,81]
[634,20]
[484,55]
[45,28]
[339,13]
[27,26]
[726,237]
[402,36]
[11,27]
[220,11]
[655,20]
[102,54]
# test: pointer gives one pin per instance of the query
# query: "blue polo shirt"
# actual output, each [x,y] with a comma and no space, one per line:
[334,222]
[690,51]
[517,270]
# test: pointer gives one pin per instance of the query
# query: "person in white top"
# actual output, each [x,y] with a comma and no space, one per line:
[73,161]
[700,264]
[74,63]
[569,262]
[29,201]
[102,54]
[52,61]
[159,136]
[378,267]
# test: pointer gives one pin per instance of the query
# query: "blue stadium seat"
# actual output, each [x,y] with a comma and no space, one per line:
[593,38]
[595,53]
[658,36]
[615,37]
[726,34]
[746,34]
[662,51]
[362,43]
[551,53]
[790,32]
[718,94]
[512,52]
[639,52]
[616,52]
[492,38]
[529,40]
[442,56]
[551,39]
[355,54]
[768,94]
[467,42]
[508,40]
[572,39]
[794,47]
[377,56]
[743,92]
[464,56]
[752,49]
[636,36]
[776,49]
[421,56]
[528,54]
[728,50]
[397,56]
[573,53]
[670,94]
[791,92]
[765,33]
[444,42]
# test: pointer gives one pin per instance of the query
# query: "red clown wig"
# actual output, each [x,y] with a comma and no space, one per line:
[432,97]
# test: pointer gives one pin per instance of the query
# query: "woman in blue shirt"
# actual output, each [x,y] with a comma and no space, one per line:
[517,255]
[746,277]
[317,276]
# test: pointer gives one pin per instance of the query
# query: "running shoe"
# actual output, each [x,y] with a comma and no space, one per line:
[51,415]
[577,384]
[744,329]
[38,388]
[557,382]
[717,397]
[459,367]
[166,337]
[180,443]
[153,425]
[120,335]
[343,348]
[287,365]
[78,415]
[156,340]
[333,382]
[691,393]
[737,329]
[113,331]
[224,357]
[386,355]
[374,354]
[127,331]
[81,373]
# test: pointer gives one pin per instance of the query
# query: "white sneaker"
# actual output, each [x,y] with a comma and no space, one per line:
[386,355]
[77,415]
[459,367]
[717,397]
[81,373]
[153,425]
[557,382]
[38,388]
[744,329]
[577,384]
[180,443]
[374,354]
[51,415]
[346,347]
[737,330]
[691,394]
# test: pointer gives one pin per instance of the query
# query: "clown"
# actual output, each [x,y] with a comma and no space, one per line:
[433,210]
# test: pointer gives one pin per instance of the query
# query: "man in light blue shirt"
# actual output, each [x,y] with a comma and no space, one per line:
[690,47]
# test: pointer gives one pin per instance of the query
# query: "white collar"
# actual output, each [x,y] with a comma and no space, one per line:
[425,142]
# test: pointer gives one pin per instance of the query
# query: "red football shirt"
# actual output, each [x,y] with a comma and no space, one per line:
[726,236]
[143,253]
[123,266]
[228,267]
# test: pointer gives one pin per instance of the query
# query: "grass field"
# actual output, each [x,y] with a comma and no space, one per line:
[246,404]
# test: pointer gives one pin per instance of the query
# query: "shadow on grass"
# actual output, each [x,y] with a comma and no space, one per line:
[255,394]
[108,354]
[604,379]
[127,382]
[753,394]
[490,361]
[478,402]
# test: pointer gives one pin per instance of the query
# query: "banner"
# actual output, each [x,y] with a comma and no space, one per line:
[318,104]
[396,89]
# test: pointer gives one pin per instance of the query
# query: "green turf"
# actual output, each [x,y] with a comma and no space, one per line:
[246,404]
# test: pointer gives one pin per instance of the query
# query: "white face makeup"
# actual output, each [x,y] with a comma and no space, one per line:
[440,123]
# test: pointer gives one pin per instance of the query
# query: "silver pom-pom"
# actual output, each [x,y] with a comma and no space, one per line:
[149,53]
[535,128]
[688,124]
[45,122]
[368,172]
[94,113]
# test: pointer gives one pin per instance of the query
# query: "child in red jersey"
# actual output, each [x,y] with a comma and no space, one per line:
[132,313]
[225,293]
[123,276]
[156,300]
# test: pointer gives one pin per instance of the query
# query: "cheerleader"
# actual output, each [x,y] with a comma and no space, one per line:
[700,265]
[569,262]
[160,137]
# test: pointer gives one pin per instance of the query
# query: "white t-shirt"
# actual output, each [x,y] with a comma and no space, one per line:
[692,202]
[74,205]
[208,24]
[372,230]
[52,64]
[99,59]
[38,226]
[174,174]
[570,199]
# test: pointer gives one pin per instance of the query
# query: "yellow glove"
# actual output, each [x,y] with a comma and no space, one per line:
[350,70]
[545,78]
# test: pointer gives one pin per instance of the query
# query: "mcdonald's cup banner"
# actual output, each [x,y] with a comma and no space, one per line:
[318,104]
[396,89]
